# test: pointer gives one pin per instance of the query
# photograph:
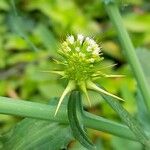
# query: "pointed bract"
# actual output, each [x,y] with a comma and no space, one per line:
[55,72]
[99,74]
[94,87]
[70,87]
[109,66]
[84,90]
[114,76]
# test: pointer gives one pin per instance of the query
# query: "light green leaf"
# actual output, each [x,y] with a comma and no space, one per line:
[47,38]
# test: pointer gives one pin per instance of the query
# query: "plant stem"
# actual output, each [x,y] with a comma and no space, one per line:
[128,47]
[42,111]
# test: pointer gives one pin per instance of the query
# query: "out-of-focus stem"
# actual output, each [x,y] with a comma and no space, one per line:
[128,47]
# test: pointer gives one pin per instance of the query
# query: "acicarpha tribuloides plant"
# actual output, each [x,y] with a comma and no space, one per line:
[80,61]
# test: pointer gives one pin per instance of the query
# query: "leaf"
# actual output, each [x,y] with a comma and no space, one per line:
[19,26]
[61,14]
[131,122]
[47,38]
[144,55]
[75,120]
[143,115]
[38,134]
[117,143]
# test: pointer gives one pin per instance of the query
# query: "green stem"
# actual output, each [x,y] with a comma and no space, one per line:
[127,45]
[22,108]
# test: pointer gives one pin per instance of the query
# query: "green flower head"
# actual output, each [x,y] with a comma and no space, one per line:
[80,58]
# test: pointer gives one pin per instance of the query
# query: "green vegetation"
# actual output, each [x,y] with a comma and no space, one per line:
[32,32]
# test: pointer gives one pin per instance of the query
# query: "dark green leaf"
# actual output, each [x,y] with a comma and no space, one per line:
[38,134]
[75,120]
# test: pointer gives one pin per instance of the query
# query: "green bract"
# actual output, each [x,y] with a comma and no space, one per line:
[81,56]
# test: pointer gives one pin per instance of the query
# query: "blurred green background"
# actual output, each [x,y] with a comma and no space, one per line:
[29,40]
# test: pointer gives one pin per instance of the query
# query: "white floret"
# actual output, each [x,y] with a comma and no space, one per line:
[87,40]
[96,51]
[70,39]
[92,42]
[80,38]
[89,45]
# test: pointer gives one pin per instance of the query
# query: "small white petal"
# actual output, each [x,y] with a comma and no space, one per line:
[87,39]
[80,38]
[92,42]
[96,48]
[70,39]
[96,51]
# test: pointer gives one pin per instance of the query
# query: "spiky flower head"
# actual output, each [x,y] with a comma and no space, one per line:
[81,56]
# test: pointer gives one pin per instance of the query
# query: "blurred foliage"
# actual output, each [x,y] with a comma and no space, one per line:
[29,41]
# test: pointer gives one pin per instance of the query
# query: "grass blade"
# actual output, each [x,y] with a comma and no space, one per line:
[130,121]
